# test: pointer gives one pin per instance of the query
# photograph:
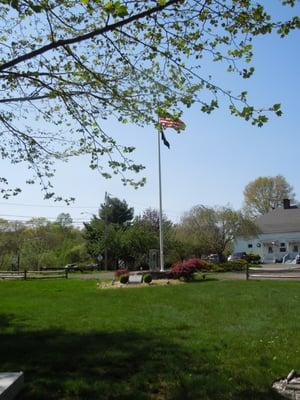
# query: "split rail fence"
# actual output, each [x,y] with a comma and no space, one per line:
[50,274]
[273,273]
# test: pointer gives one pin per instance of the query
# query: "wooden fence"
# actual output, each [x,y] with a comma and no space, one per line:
[46,274]
[273,273]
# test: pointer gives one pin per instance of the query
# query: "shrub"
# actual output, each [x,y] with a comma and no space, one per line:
[254,258]
[147,278]
[217,268]
[199,276]
[48,260]
[120,272]
[236,265]
[124,279]
[76,254]
[186,269]
[200,265]
[180,270]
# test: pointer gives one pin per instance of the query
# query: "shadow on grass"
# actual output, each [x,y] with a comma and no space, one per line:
[5,321]
[207,278]
[115,365]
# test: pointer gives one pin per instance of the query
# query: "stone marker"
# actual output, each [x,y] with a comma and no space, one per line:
[11,384]
[289,388]
[135,278]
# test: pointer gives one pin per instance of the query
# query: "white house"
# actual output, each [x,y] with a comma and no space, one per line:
[279,240]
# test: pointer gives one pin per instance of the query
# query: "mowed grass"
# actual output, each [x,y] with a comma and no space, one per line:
[210,340]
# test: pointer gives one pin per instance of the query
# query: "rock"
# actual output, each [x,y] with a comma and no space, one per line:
[289,388]
[291,375]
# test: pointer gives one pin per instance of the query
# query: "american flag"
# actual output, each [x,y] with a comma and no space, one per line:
[171,123]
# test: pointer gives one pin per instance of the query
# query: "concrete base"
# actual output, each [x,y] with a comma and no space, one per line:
[11,384]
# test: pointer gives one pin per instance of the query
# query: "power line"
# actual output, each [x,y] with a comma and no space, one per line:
[47,206]
[175,215]
[171,212]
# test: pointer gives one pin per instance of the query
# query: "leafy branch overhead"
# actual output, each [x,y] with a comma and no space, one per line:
[65,66]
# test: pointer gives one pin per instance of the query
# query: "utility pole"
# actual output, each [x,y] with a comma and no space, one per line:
[105,230]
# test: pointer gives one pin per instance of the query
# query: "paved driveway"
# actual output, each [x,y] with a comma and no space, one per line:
[95,275]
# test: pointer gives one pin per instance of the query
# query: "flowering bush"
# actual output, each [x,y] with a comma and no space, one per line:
[199,264]
[186,269]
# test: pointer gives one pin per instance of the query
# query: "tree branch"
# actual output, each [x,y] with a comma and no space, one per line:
[90,35]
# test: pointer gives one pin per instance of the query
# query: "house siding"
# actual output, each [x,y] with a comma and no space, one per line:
[264,241]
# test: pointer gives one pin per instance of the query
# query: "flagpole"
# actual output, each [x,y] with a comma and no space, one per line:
[161,239]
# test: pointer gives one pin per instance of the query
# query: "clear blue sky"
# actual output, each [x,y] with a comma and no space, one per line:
[210,163]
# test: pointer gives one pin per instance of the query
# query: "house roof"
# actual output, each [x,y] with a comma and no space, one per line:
[280,220]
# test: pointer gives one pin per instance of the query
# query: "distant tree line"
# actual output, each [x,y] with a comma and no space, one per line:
[40,243]
[125,240]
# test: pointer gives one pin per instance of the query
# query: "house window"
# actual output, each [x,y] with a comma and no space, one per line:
[295,248]
[270,249]
[250,246]
[282,248]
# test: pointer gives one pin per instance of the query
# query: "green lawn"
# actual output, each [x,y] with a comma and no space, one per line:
[210,340]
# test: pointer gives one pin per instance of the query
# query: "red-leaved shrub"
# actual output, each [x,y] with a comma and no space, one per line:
[187,268]
[200,265]
[120,272]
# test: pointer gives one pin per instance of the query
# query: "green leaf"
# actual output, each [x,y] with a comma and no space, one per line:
[276,107]
[121,10]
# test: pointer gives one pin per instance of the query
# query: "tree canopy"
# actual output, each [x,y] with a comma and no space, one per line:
[65,66]
[212,230]
[266,193]
[115,211]
[39,243]
[125,238]
[106,231]
[64,220]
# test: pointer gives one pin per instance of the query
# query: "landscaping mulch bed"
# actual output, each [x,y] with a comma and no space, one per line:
[156,282]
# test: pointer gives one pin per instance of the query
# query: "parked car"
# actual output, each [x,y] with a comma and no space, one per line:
[298,259]
[213,258]
[92,267]
[242,255]
[72,268]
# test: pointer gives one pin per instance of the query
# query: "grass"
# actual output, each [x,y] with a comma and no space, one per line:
[208,340]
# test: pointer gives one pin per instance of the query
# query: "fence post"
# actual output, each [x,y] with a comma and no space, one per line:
[247,272]
[25,274]
[66,272]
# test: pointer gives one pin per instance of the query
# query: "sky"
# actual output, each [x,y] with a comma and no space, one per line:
[210,163]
